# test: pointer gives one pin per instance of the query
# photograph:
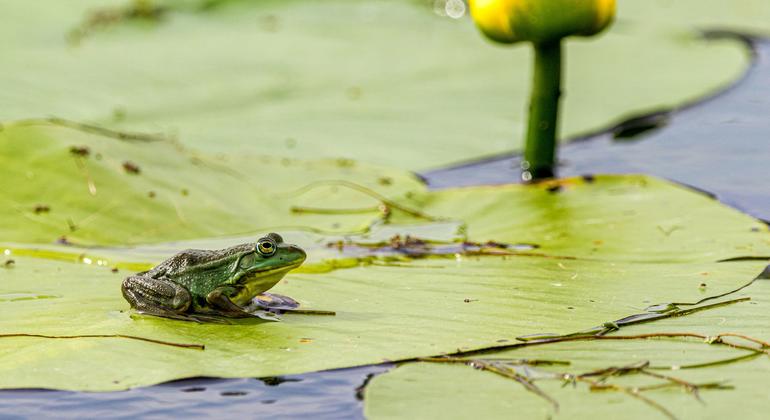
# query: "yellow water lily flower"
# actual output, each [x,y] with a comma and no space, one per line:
[540,21]
[543,23]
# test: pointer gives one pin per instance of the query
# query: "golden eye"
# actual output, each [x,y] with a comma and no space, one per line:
[266,247]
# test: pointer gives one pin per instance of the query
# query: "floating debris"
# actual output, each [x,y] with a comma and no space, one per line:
[80,151]
[41,208]
[415,247]
[277,380]
[131,168]
[233,393]
[103,18]
[63,241]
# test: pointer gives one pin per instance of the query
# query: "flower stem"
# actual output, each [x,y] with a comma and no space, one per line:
[540,148]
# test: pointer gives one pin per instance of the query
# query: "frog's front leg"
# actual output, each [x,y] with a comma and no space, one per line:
[157,296]
[219,299]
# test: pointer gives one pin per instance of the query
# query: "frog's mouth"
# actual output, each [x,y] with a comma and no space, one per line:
[258,275]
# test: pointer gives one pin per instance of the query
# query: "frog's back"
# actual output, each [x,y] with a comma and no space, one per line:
[190,259]
[191,264]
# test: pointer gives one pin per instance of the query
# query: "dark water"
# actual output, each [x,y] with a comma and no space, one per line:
[721,146]
[320,395]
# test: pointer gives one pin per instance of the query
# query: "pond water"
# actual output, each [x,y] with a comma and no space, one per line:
[721,146]
[320,395]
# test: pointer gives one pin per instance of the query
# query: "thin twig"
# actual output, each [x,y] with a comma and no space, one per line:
[612,326]
[764,344]
[496,368]
[93,129]
[716,296]
[371,193]
[707,385]
[529,362]
[308,312]
[561,339]
[688,386]
[130,337]
[320,210]
[84,169]
[633,392]
[652,403]
[617,370]
[749,356]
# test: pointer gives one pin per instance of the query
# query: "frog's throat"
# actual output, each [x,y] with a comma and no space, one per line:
[257,282]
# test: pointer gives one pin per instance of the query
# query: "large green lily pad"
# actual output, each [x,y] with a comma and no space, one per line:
[393,312]
[382,82]
[457,391]
[50,192]
[180,194]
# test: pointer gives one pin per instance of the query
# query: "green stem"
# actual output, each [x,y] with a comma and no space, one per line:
[540,148]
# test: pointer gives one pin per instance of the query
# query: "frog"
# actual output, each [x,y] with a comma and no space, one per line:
[208,285]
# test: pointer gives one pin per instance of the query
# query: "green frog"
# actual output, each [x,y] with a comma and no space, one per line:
[200,285]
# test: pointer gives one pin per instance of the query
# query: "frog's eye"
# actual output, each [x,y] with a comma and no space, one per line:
[266,247]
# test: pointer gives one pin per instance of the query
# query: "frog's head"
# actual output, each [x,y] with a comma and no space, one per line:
[262,266]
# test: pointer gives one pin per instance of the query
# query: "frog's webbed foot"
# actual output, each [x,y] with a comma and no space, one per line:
[270,305]
[272,302]
[157,297]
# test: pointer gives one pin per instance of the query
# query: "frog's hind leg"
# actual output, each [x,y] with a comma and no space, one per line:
[159,297]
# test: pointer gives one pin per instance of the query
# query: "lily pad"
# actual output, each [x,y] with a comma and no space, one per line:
[401,311]
[88,188]
[349,79]
[457,391]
